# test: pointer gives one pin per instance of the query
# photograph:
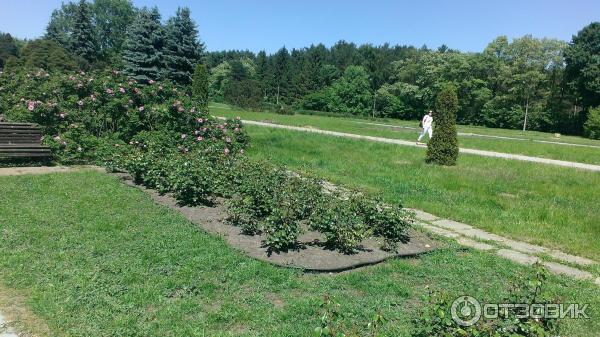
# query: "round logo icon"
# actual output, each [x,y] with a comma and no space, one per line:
[465,311]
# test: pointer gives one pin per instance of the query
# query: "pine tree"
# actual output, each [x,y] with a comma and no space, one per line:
[200,86]
[442,149]
[83,39]
[142,54]
[281,73]
[182,48]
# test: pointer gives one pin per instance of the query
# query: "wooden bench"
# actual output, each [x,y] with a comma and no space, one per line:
[22,140]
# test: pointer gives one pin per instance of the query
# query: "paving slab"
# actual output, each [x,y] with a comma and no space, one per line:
[474,244]
[524,247]
[561,269]
[422,215]
[517,257]
[451,224]
[440,231]
[582,261]
[481,235]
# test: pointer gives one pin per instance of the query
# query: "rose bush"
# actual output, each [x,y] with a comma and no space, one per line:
[155,132]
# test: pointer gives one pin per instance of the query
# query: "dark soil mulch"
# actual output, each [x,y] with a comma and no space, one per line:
[312,255]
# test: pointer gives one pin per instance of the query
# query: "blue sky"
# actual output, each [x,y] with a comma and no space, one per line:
[467,25]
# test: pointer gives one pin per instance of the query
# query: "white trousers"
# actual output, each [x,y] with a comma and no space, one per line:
[428,130]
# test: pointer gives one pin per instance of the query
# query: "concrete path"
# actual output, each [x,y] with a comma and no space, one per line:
[5,331]
[555,261]
[509,156]
[470,134]
[17,171]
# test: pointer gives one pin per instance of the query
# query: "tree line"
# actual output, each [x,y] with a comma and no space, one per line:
[523,83]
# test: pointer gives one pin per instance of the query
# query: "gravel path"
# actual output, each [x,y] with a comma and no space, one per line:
[509,156]
[470,134]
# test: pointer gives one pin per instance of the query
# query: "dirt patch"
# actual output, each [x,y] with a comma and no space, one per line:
[19,317]
[312,256]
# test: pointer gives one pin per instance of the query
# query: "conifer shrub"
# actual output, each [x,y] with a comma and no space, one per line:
[592,125]
[200,86]
[442,149]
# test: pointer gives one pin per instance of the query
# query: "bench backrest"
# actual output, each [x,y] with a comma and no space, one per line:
[22,140]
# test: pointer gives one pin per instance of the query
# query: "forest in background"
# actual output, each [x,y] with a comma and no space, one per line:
[537,84]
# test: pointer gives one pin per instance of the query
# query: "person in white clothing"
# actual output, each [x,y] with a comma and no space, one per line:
[426,126]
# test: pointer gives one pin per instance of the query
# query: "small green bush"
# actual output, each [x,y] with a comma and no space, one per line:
[435,319]
[592,125]
[342,223]
[390,222]
[282,229]
[442,149]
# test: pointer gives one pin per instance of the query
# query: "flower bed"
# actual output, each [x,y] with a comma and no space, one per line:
[155,132]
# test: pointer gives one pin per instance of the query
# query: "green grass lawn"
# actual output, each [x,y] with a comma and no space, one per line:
[552,206]
[397,129]
[98,258]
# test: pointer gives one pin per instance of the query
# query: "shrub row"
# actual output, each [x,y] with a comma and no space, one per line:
[157,133]
[263,198]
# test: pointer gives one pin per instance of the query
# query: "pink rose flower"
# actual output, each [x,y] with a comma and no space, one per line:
[200,138]
[141,108]
[122,90]
[226,151]
[80,103]
[183,135]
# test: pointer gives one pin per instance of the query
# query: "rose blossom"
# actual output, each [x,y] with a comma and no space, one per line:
[183,135]
[200,138]
[141,108]
[80,102]
[122,90]
[226,151]
[180,109]
[62,115]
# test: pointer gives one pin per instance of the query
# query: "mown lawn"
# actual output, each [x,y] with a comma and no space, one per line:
[98,258]
[543,204]
[408,130]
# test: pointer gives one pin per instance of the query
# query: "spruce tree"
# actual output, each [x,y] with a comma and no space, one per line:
[83,38]
[142,54]
[442,149]
[200,86]
[182,48]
